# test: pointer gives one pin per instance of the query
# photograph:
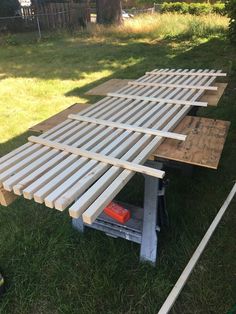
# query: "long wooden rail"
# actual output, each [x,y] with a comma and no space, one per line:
[61,178]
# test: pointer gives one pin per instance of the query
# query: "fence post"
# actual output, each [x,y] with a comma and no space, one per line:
[39,29]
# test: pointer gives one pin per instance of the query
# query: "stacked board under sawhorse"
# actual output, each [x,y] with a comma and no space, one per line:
[86,160]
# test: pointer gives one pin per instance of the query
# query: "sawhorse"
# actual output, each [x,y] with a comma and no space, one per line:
[145,222]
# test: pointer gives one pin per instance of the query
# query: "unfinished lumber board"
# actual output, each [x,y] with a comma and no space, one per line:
[129,127]
[6,198]
[176,290]
[212,98]
[57,118]
[99,157]
[135,83]
[203,146]
[111,85]
[188,73]
[157,99]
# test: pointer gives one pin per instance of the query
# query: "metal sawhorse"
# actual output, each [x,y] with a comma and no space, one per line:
[144,223]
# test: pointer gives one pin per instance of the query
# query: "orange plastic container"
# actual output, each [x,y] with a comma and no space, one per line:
[117,212]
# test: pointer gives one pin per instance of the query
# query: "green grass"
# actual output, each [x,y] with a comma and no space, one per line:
[51,268]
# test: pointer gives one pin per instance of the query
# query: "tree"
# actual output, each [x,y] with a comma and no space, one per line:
[109,11]
[231,10]
[8,7]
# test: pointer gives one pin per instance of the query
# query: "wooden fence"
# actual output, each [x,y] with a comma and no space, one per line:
[57,15]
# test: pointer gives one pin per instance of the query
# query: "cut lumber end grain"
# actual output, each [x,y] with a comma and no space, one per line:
[6,198]
[87,219]
[38,199]
[62,204]
[27,195]
[18,190]
[74,213]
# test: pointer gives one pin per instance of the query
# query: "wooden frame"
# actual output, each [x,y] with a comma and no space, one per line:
[58,178]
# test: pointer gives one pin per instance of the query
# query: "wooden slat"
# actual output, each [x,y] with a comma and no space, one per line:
[129,127]
[99,157]
[156,99]
[212,88]
[188,73]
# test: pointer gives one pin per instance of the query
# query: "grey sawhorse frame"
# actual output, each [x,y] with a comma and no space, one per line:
[145,222]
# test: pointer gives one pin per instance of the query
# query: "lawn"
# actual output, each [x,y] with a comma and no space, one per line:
[50,267]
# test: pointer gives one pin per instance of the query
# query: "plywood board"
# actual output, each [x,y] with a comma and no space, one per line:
[109,86]
[57,118]
[213,97]
[203,145]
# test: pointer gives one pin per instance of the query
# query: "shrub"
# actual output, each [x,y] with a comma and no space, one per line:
[219,8]
[193,8]
[180,7]
[231,10]
[200,8]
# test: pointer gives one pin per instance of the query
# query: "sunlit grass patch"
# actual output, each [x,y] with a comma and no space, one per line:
[165,25]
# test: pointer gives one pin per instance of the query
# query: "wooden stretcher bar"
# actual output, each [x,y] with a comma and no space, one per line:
[129,127]
[58,178]
[212,88]
[156,99]
[99,157]
[155,72]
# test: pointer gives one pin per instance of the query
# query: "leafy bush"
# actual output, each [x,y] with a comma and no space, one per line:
[180,7]
[200,8]
[219,8]
[231,10]
[193,8]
